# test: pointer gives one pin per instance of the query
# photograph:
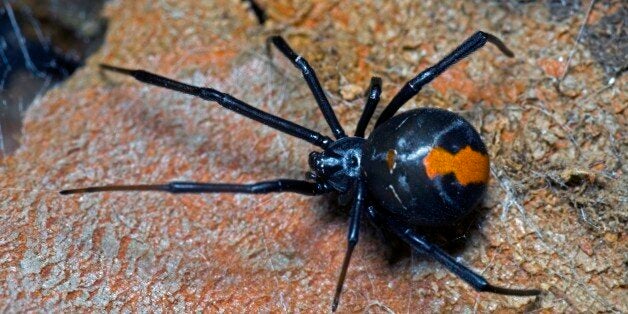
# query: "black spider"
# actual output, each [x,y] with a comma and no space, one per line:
[422,168]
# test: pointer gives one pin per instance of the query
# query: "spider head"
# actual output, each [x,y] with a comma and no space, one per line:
[339,165]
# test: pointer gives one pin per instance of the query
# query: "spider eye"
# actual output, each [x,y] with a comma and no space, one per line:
[353,161]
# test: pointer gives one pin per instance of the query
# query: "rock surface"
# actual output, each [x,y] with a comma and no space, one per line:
[555,216]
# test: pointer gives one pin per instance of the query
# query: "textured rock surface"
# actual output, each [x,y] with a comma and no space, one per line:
[554,218]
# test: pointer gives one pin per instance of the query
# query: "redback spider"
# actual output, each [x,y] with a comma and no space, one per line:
[425,167]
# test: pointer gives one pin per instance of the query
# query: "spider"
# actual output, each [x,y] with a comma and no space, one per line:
[425,167]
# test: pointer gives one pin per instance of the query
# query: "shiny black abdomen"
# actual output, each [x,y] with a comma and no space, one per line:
[426,166]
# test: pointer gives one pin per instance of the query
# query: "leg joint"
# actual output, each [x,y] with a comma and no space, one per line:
[302,64]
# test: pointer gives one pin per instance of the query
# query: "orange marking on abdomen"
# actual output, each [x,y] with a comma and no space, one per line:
[467,165]
[390,159]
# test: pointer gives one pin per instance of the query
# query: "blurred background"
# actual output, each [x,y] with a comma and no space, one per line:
[42,42]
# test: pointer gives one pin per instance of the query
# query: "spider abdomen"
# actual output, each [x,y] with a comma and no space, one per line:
[427,166]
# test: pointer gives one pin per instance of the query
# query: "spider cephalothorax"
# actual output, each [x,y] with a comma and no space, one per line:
[340,165]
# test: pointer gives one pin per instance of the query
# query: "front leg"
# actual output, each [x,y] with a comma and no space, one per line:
[312,81]
[352,239]
[179,187]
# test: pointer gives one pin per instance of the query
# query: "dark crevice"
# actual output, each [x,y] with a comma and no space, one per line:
[41,44]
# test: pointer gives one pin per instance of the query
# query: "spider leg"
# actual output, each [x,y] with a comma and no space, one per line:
[412,87]
[352,239]
[375,90]
[177,187]
[260,14]
[420,243]
[312,81]
[228,102]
